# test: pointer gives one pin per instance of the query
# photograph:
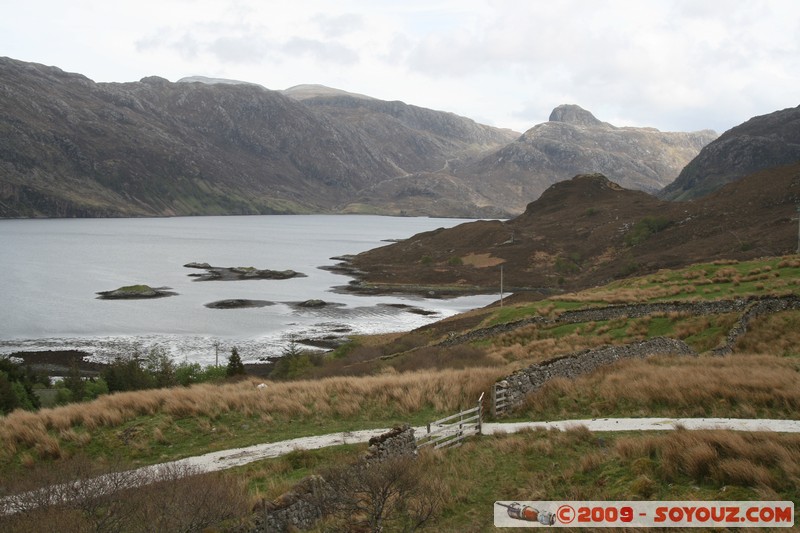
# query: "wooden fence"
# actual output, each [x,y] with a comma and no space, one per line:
[499,400]
[453,429]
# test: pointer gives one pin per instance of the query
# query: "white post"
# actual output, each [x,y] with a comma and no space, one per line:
[501,285]
[480,415]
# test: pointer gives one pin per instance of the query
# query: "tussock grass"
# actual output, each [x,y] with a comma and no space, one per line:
[720,279]
[717,457]
[580,465]
[744,386]
[377,398]
[776,334]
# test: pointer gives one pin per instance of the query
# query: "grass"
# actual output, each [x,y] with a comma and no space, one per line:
[135,289]
[708,281]
[574,465]
[164,424]
[744,386]
[580,465]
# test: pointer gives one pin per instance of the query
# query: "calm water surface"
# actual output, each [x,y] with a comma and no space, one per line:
[53,268]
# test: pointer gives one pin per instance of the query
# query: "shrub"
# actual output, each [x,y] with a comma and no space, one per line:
[294,362]
[566,266]
[175,498]
[395,493]
[126,373]
[16,387]
[646,227]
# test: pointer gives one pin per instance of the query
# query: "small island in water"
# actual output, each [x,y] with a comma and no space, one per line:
[213,273]
[136,292]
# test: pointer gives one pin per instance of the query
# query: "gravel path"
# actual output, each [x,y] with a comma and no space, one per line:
[224,459]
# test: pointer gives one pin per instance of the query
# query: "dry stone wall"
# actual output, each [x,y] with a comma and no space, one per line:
[756,308]
[611,312]
[528,380]
[301,508]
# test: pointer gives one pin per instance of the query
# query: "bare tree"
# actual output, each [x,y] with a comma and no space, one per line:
[371,495]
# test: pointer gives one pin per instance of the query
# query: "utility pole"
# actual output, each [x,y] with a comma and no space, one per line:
[501,285]
[798,228]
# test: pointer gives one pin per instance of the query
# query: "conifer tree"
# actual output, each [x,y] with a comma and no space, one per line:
[235,365]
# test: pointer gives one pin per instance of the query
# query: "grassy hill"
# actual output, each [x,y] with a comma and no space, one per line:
[413,377]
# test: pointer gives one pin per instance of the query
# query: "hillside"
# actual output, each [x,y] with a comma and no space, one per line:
[72,147]
[588,231]
[762,142]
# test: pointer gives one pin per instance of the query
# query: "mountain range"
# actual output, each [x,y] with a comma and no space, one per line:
[70,147]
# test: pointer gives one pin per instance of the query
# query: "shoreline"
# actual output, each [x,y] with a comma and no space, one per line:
[60,362]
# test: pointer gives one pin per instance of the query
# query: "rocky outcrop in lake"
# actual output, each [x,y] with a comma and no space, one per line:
[136,292]
[239,273]
[238,303]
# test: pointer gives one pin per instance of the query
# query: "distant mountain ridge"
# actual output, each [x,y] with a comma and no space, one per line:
[760,143]
[575,142]
[72,147]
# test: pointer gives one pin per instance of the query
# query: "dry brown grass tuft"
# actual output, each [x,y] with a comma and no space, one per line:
[621,295]
[395,394]
[775,334]
[721,457]
[739,385]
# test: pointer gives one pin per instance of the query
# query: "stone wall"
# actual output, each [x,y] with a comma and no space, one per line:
[301,508]
[398,442]
[612,312]
[527,380]
[756,307]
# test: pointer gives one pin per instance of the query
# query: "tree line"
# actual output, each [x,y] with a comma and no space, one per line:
[19,384]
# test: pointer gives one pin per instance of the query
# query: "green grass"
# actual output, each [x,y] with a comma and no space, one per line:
[544,308]
[574,465]
[660,327]
[708,281]
[135,289]
[158,438]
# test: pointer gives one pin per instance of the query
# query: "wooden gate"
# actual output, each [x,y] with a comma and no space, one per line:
[499,399]
[453,429]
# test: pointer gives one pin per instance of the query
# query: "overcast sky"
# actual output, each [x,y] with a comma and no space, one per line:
[673,65]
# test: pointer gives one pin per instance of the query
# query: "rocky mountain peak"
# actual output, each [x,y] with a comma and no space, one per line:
[574,114]
[155,80]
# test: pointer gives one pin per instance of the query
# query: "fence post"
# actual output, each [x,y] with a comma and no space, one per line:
[480,415]
[493,407]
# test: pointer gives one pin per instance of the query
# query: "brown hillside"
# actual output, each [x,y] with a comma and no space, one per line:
[589,230]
